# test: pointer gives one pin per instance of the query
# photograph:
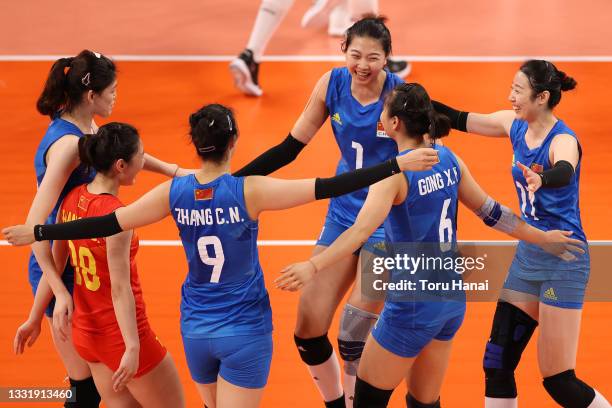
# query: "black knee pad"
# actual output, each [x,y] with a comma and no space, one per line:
[314,351]
[86,394]
[569,391]
[512,329]
[368,396]
[412,402]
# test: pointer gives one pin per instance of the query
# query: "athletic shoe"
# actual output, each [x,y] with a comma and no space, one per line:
[244,69]
[399,67]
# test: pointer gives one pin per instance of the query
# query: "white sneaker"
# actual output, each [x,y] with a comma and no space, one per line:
[245,71]
[316,16]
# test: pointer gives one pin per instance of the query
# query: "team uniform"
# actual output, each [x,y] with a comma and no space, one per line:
[95,331]
[362,142]
[56,130]
[424,222]
[554,281]
[226,320]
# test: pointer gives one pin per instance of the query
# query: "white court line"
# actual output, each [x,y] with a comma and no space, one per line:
[298,242]
[324,58]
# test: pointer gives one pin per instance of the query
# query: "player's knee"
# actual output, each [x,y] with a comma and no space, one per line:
[568,390]
[314,351]
[86,393]
[355,325]
[511,331]
[412,402]
[368,396]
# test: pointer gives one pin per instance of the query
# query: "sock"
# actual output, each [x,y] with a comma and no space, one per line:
[327,378]
[599,401]
[269,17]
[86,393]
[349,389]
[501,402]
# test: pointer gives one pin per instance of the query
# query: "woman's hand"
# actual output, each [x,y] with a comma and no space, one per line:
[19,235]
[295,276]
[127,368]
[62,315]
[560,244]
[418,159]
[28,332]
[533,179]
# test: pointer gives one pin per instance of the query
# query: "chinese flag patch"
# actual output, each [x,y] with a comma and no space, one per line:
[538,168]
[83,203]
[202,194]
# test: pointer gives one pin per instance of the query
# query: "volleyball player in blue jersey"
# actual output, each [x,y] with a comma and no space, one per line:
[76,90]
[413,335]
[539,290]
[352,98]
[226,320]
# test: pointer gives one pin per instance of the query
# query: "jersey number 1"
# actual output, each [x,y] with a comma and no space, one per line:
[524,195]
[216,259]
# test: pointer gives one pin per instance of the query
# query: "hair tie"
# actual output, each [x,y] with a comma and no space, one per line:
[206,149]
[212,122]
[229,122]
[86,80]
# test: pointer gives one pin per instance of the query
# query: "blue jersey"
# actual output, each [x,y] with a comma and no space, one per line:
[427,215]
[224,292]
[360,137]
[547,208]
[57,129]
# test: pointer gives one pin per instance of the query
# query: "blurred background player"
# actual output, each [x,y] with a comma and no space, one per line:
[338,14]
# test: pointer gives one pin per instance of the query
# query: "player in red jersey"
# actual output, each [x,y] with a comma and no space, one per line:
[110,329]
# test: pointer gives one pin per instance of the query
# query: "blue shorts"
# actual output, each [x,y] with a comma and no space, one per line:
[35,273]
[409,342]
[566,294]
[333,229]
[241,360]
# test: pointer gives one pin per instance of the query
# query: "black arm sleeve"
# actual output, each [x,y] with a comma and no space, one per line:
[559,176]
[273,159]
[93,227]
[458,118]
[354,180]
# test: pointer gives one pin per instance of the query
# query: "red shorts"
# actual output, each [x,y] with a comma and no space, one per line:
[109,350]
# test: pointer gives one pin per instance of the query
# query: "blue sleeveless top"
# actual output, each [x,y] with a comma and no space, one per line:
[359,135]
[224,292]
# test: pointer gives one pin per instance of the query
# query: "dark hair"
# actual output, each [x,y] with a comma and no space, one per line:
[70,77]
[412,105]
[112,142]
[544,76]
[212,128]
[369,26]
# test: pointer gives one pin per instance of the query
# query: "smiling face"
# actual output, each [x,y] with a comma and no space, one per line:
[525,104]
[365,58]
[104,101]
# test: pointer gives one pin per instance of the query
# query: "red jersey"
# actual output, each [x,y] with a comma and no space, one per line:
[94,313]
